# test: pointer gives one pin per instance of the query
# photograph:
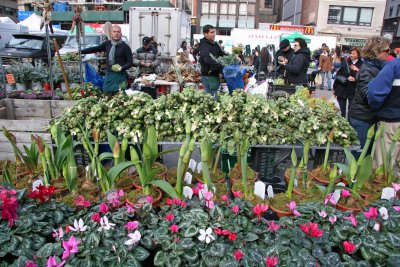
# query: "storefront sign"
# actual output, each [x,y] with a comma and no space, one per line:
[354,41]
[289,28]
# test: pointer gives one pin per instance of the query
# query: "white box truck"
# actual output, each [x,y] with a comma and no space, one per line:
[169,26]
[8,29]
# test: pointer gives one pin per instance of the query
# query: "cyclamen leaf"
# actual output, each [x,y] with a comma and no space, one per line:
[140,253]
[159,259]
[191,231]
[45,251]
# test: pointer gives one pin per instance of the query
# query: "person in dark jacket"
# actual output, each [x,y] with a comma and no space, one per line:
[146,58]
[286,51]
[117,53]
[261,64]
[384,97]
[348,68]
[297,66]
[361,115]
[210,51]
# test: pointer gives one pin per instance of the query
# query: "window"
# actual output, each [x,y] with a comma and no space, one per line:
[213,8]
[390,11]
[232,9]
[350,15]
[398,11]
[205,7]
[268,4]
[223,8]
[243,9]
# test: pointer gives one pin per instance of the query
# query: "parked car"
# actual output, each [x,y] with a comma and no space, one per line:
[29,48]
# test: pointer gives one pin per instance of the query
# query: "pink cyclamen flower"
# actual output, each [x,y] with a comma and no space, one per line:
[259,210]
[396,187]
[237,194]
[235,209]
[333,219]
[103,208]
[52,262]
[330,198]
[132,225]
[58,233]
[396,208]
[272,226]
[129,208]
[30,264]
[352,219]
[345,193]
[208,195]
[169,202]
[225,198]
[149,199]
[349,247]
[80,201]
[174,228]
[169,217]
[372,213]
[183,204]
[292,205]
[70,247]
[271,261]
[177,201]
[238,255]
[210,204]
[96,217]
[323,214]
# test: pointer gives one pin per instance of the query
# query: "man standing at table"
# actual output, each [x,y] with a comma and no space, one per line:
[118,59]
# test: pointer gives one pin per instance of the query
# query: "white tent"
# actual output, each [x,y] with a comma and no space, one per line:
[33,23]
[6,20]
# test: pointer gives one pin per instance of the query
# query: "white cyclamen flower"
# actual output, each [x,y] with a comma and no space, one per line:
[134,238]
[377,227]
[384,213]
[78,226]
[206,235]
[105,225]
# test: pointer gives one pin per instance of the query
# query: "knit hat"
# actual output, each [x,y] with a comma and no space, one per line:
[146,40]
[284,43]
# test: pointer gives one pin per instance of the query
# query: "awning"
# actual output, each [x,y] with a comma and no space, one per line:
[294,36]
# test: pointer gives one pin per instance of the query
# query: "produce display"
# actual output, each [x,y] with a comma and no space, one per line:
[188,73]
[77,93]
[283,121]
[228,60]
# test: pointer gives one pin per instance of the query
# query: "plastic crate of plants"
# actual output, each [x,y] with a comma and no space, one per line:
[263,161]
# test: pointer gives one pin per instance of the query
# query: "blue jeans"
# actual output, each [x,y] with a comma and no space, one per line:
[343,105]
[361,128]
[328,75]
[211,84]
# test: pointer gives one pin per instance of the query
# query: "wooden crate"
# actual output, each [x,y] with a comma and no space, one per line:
[26,117]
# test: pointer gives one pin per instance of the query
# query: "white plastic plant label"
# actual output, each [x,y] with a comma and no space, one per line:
[199,167]
[187,192]
[337,192]
[259,189]
[270,191]
[388,193]
[192,165]
[36,184]
[188,178]
[295,182]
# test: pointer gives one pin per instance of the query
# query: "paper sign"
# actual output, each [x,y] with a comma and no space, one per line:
[187,192]
[199,167]
[10,78]
[388,193]
[36,184]
[270,191]
[259,189]
[337,192]
[192,165]
[188,178]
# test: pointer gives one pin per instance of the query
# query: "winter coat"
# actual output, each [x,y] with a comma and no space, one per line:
[262,64]
[384,92]
[209,65]
[348,90]
[123,54]
[287,54]
[360,109]
[325,62]
[150,55]
[297,67]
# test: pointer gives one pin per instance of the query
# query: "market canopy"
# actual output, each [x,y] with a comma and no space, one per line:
[33,22]
[294,36]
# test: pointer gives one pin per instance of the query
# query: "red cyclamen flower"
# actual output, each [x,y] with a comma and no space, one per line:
[372,213]
[174,228]
[238,255]
[271,261]
[169,202]
[103,208]
[96,217]
[80,201]
[349,247]
[169,217]
[259,210]
[235,209]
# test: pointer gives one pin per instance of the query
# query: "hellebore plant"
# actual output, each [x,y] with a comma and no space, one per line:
[292,174]
[325,166]
[304,161]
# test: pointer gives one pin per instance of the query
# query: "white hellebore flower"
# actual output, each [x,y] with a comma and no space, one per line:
[105,225]
[134,238]
[384,213]
[78,226]
[206,235]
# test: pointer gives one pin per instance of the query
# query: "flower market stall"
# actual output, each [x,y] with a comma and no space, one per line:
[123,207]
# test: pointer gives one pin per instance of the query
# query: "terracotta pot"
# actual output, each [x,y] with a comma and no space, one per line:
[295,190]
[234,179]
[346,208]
[156,202]
[320,180]
[281,213]
[199,178]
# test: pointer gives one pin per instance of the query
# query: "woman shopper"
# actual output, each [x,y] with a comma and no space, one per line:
[261,64]
[344,85]
[361,115]
[325,66]
[336,60]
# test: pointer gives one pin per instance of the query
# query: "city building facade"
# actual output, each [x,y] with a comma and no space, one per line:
[391,22]
[9,8]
